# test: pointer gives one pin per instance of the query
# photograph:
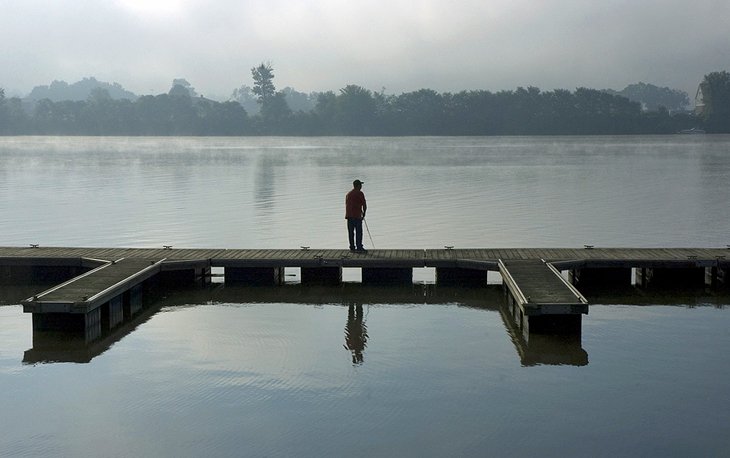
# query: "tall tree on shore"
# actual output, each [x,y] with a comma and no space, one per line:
[275,112]
[263,82]
[715,89]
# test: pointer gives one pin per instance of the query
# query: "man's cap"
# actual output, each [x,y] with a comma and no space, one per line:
[357,182]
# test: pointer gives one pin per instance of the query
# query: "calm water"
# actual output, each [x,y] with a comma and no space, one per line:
[358,371]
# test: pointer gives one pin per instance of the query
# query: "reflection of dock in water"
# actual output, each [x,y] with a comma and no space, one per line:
[544,349]
[60,346]
[561,348]
[487,298]
[73,347]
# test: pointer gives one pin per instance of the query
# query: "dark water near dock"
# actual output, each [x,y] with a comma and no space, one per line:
[362,371]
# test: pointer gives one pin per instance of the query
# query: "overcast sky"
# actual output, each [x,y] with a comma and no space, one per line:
[399,45]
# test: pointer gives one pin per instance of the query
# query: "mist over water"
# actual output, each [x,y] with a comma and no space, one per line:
[422,192]
[362,371]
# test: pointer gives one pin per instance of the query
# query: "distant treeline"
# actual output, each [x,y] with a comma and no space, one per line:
[355,110]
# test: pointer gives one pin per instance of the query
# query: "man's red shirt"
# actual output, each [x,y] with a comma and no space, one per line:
[354,203]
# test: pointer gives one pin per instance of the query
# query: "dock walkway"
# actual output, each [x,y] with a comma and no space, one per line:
[606,257]
[90,290]
[538,287]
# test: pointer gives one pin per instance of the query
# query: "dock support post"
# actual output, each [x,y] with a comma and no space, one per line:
[57,321]
[116,312]
[132,301]
[455,276]
[387,275]
[716,277]
[201,275]
[189,276]
[555,324]
[670,277]
[257,276]
[329,275]
[92,325]
[600,277]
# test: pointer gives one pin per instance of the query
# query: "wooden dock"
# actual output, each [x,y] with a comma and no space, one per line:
[104,285]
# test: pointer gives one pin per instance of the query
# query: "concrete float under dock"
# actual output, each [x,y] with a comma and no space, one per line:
[100,288]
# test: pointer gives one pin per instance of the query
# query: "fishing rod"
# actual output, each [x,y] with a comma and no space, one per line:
[368,229]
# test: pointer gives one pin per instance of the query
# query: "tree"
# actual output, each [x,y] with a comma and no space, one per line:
[652,97]
[245,96]
[13,118]
[3,112]
[715,89]
[602,113]
[180,86]
[103,115]
[59,118]
[299,101]
[227,118]
[325,111]
[60,90]
[179,90]
[355,111]
[562,114]
[420,112]
[275,113]
[263,82]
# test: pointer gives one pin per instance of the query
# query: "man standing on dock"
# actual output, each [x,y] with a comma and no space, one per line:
[355,208]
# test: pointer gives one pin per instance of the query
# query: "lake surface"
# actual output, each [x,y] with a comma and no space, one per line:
[356,370]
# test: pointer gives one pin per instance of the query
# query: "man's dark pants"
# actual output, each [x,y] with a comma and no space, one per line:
[354,232]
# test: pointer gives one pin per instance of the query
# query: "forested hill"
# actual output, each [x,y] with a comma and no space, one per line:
[355,110]
[59,91]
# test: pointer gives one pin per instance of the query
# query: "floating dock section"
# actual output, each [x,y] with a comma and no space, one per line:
[99,298]
[540,298]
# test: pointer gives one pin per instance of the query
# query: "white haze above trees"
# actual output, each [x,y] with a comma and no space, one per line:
[399,45]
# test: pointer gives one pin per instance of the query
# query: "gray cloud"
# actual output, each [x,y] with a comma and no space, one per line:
[400,45]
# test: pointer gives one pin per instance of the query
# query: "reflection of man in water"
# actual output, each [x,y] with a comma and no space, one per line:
[356,333]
